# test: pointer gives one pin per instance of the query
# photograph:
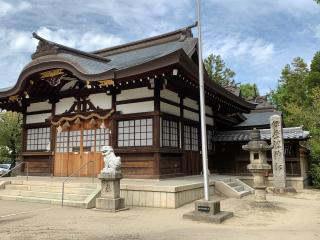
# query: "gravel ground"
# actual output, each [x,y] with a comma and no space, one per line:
[295,216]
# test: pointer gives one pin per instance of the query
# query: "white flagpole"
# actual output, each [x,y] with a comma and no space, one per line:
[202,111]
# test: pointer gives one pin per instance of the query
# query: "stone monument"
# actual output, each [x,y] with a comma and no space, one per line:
[110,177]
[278,160]
[258,166]
[278,157]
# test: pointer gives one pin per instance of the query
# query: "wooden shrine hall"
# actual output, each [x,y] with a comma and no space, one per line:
[141,98]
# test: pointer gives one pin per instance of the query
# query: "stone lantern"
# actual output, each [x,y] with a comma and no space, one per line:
[258,164]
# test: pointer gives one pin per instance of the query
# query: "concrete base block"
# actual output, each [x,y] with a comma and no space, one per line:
[208,211]
[112,205]
[217,218]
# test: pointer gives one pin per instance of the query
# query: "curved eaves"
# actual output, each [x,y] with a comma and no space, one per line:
[35,67]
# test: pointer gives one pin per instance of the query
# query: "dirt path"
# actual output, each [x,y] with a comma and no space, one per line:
[295,217]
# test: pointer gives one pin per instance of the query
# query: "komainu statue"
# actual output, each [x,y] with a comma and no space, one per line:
[112,163]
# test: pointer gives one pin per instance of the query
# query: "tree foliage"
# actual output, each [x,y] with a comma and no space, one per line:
[218,72]
[249,91]
[10,136]
[298,96]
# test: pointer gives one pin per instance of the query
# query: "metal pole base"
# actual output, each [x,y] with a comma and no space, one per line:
[208,211]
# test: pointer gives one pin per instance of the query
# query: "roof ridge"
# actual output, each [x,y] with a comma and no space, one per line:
[179,34]
[46,47]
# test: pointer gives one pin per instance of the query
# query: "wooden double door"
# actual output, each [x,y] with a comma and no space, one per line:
[78,149]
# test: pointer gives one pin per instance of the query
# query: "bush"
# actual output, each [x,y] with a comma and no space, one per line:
[315,175]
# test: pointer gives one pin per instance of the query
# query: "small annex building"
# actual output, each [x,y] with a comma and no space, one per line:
[229,146]
[141,98]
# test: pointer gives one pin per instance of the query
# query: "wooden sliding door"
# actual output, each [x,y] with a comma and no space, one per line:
[79,146]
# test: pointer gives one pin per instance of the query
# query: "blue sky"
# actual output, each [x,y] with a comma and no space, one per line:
[256,38]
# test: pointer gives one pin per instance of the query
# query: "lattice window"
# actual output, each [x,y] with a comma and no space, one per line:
[290,151]
[210,139]
[102,138]
[191,138]
[170,133]
[187,139]
[88,139]
[135,133]
[62,142]
[38,139]
[74,141]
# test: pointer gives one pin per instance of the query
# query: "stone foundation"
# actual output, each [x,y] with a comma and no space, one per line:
[162,196]
[298,183]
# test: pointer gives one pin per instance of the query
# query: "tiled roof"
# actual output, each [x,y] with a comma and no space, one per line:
[257,118]
[118,61]
[291,133]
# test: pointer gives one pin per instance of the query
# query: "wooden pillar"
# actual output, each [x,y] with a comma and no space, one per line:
[53,133]
[199,163]
[184,156]
[157,127]
[113,123]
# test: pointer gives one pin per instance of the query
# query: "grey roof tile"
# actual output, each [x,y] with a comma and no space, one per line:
[258,118]
[291,133]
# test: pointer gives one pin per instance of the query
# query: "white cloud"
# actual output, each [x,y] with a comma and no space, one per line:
[9,8]
[88,41]
[252,49]
[256,9]
[14,41]
[141,17]
[17,46]
[316,31]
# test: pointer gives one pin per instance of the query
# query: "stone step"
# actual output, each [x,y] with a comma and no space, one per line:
[50,195]
[54,189]
[225,180]
[54,184]
[244,193]
[232,184]
[17,187]
[232,187]
[44,200]
[238,188]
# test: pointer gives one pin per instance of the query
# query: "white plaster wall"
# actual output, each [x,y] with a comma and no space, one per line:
[170,95]
[102,100]
[190,103]
[209,110]
[37,118]
[39,106]
[136,107]
[64,104]
[209,121]
[135,93]
[190,115]
[167,108]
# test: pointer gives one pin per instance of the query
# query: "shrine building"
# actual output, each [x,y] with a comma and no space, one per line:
[141,98]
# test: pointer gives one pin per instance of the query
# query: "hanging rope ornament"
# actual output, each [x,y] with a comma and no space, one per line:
[77,121]
[70,119]
[66,125]
[59,129]
[93,122]
[102,125]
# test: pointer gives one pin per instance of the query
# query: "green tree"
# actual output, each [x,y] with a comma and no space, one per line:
[292,88]
[249,91]
[218,72]
[298,96]
[10,136]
